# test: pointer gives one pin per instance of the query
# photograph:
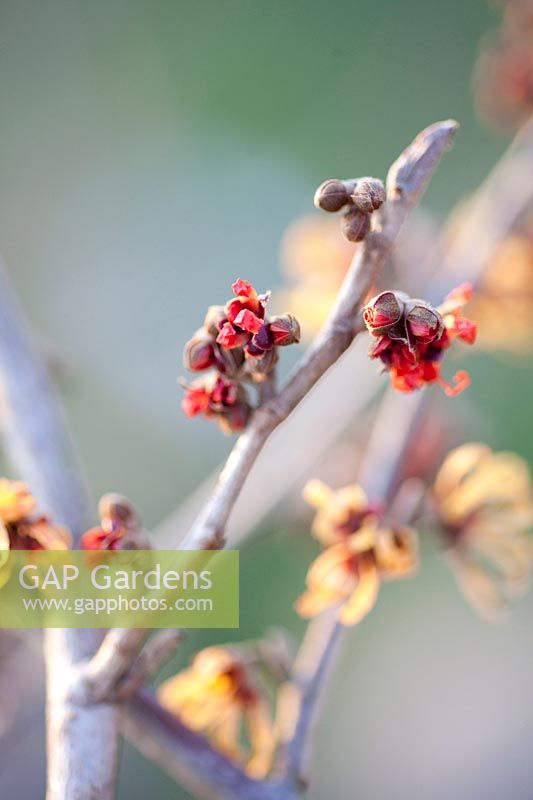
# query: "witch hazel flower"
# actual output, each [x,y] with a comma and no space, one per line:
[23,529]
[240,343]
[484,505]
[220,696]
[361,550]
[217,397]
[412,337]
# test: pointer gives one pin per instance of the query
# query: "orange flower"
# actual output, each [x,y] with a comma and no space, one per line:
[21,531]
[360,552]
[484,502]
[505,298]
[216,696]
[16,501]
[349,574]
[340,513]
[40,534]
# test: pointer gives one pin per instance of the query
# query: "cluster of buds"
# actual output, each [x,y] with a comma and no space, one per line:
[119,529]
[360,551]
[412,336]
[484,504]
[240,343]
[218,695]
[20,527]
[359,197]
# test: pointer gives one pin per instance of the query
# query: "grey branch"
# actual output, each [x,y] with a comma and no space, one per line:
[81,740]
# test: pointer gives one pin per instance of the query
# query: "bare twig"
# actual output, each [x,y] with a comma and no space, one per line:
[407,179]
[112,661]
[156,652]
[189,758]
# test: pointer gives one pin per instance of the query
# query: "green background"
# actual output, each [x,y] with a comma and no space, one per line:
[150,153]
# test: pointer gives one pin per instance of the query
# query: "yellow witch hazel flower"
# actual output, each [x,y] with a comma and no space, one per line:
[16,501]
[484,501]
[218,697]
[361,551]
[20,529]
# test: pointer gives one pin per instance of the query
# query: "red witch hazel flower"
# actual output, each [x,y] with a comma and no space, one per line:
[216,396]
[412,336]
[240,342]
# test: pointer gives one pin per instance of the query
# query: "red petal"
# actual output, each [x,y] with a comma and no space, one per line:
[248,321]
[244,289]
[195,401]
[461,380]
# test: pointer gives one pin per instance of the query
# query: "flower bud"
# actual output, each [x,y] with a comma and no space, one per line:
[214,319]
[423,322]
[234,418]
[383,312]
[198,353]
[355,225]
[368,195]
[118,511]
[259,367]
[284,330]
[229,362]
[331,195]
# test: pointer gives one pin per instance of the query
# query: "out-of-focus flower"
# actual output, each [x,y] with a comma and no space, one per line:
[339,513]
[360,552]
[217,397]
[315,259]
[20,529]
[348,574]
[484,503]
[120,526]
[16,501]
[412,337]
[503,78]
[218,697]
[502,305]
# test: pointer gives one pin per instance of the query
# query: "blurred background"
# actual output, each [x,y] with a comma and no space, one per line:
[151,153]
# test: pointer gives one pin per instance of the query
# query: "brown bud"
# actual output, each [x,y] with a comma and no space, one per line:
[259,367]
[118,510]
[215,317]
[229,362]
[424,323]
[368,194]
[284,330]
[234,418]
[331,195]
[384,312]
[355,225]
[199,352]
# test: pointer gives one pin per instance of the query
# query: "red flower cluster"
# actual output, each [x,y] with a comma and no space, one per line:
[240,342]
[216,396]
[412,337]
